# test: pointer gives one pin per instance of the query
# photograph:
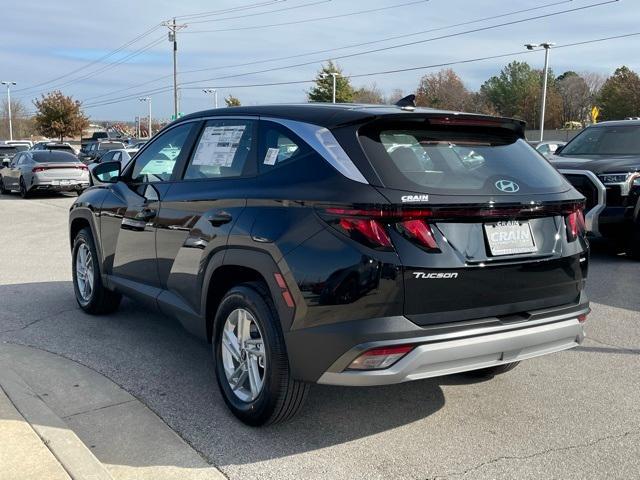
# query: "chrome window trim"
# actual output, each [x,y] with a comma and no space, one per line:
[591,217]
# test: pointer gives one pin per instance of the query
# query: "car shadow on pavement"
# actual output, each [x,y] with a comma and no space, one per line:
[153,358]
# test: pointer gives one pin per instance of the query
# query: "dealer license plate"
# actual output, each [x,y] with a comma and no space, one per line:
[510,238]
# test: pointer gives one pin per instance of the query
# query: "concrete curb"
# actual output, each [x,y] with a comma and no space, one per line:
[95,423]
[64,444]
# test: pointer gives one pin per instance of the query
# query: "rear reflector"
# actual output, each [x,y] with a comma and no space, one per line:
[582,318]
[381,357]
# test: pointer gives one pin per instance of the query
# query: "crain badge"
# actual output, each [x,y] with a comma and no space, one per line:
[440,275]
[414,198]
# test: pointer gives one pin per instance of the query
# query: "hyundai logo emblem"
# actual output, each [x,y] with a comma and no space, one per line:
[507,186]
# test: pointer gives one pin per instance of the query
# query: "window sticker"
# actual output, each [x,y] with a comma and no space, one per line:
[272,156]
[218,145]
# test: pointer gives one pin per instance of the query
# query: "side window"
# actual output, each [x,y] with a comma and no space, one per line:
[278,145]
[106,157]
[158,161]
[15,160]
[116,157]
[223,149]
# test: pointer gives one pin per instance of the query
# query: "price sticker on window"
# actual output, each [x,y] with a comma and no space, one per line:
[272,156]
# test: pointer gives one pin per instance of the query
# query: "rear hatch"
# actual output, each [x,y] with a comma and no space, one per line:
[483,225]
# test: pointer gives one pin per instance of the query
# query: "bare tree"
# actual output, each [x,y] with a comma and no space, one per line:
[443,89]
[371,94]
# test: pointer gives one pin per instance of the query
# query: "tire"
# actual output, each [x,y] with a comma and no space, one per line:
[99,300]
[280,396]
[492,371]
[24,192]
[3,190]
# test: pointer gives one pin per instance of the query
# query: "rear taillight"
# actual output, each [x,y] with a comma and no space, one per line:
[370,227]
[575,224]
[368,231]
[82,167]
[38,169]
[379,358]
[421,232]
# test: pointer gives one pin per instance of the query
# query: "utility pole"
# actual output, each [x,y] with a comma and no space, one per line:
[173,30]
[148,100]
[8,83]
[543,104]
[215,95]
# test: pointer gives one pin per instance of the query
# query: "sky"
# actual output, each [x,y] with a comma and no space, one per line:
[63,45]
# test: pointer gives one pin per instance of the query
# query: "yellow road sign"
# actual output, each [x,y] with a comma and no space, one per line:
[595,113]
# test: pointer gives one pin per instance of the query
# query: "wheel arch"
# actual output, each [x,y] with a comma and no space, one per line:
[238,266]
[82,217]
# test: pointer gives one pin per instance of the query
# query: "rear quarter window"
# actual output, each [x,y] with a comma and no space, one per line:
[456,159]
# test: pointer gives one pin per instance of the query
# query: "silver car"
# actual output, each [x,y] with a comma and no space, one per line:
[44,170]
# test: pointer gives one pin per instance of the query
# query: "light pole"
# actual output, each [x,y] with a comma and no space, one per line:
[215,95]
[8,83]
[543,104]
[334,75]
[148,100]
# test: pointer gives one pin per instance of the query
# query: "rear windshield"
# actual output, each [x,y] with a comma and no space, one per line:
[54,156]
[110,145]
[8,150]
[457,160]
[65,148]
[620,140]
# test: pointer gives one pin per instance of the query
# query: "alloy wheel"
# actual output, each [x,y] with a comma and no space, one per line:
[243,355]
[84,272]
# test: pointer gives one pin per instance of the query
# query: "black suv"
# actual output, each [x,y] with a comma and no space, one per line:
[603,163]
[339,244]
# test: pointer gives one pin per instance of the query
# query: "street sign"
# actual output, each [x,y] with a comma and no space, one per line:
[595,113]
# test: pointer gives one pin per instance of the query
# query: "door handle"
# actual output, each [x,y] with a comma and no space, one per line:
[146,214]
[219,219]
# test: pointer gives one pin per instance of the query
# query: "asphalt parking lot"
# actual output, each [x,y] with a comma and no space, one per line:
[574,414]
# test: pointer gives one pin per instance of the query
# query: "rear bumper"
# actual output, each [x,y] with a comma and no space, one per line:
[73,184]
[444,356]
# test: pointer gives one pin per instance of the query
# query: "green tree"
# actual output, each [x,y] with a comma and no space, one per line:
[443,90]
[232,101]
[323,89]
[371,94]
[59,116]
[512,92]
[620,95]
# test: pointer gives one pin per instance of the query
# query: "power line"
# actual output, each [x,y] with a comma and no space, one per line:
[284,9]
[289,57]
[134,40]
[383,72]
[307,20]
[228,10]
[416,42]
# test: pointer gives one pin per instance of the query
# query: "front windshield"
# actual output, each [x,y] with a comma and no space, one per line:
[618,140]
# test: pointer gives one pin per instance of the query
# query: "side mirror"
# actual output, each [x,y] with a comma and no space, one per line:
[108,172]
